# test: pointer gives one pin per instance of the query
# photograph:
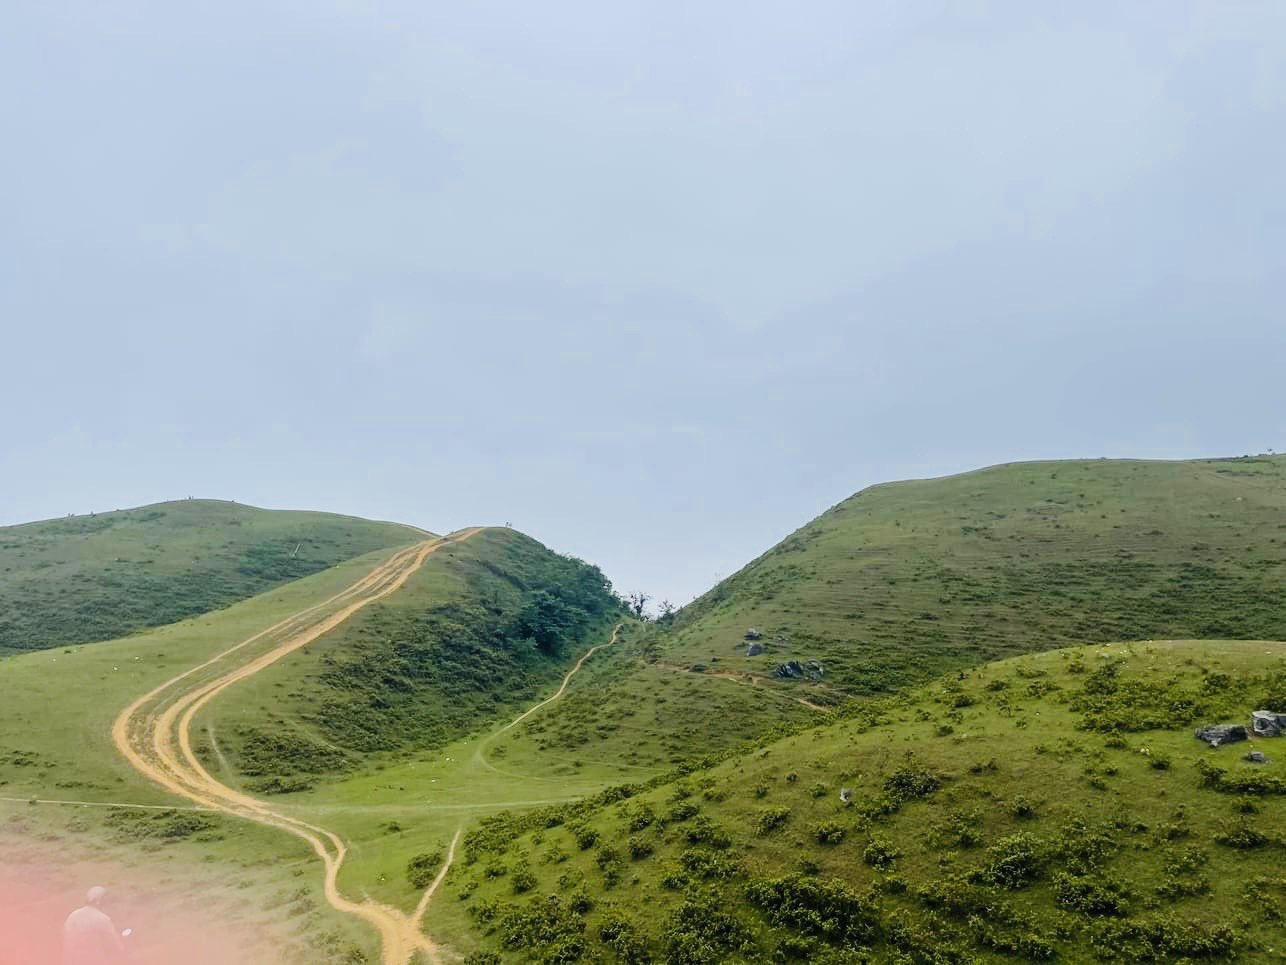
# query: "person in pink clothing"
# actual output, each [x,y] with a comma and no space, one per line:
[89,936]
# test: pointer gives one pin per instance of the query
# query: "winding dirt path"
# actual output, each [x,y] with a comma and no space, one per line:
[423,906]
[616,632]
[154,735]
[480,753]
[748,679]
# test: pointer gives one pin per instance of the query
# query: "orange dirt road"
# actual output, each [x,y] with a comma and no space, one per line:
[154,735]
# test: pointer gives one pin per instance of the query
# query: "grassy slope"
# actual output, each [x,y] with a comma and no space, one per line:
[412,672]
[59,704]
[908,580]
[88,578]
[55,743]
[1059,782]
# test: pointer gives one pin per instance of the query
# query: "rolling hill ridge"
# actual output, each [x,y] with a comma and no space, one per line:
[905,581]
[937,749]
[82,579]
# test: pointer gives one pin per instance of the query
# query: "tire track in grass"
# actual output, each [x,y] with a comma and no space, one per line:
[154,735]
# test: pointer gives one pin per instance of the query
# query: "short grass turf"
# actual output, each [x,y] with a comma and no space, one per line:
[106,575]
[1052,806]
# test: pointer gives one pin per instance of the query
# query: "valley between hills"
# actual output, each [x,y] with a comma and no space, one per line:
[948,720]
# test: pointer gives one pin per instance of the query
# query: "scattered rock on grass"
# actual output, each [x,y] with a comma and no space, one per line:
[1219,734]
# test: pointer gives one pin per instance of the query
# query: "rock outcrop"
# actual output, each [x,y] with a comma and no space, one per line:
[1268,723]
[1218,734]
[796,670]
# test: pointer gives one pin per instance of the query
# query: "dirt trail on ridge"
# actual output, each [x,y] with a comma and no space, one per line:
[154,736]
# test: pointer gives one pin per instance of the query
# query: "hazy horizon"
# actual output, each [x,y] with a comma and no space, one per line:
[655,284]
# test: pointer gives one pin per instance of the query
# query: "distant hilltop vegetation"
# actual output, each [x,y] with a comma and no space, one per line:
[81,579]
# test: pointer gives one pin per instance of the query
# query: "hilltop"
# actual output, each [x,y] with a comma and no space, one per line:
[88,578]
[480,629]
[905,581]
[1048,806]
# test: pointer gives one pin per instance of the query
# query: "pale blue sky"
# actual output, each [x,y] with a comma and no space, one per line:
[658,282]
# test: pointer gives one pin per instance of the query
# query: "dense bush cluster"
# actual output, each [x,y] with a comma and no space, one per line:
[699,932]
[422,868]
[826,909]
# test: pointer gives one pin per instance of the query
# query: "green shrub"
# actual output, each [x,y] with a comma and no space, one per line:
[1243,837]
[522,879]
[829,832]
[1254,782]
[700,933]
[959,830]
[770,819]
[620,935]
[1022,808]
[825,909]
[1160,938]
[160,826]
[708,865]
[1013,862]
[1083,847]
[609,863]
[909,782]
[681,812]
[704,831]
[1091,895]
[420,870]
[879,853]
[640,817]
[1184,874]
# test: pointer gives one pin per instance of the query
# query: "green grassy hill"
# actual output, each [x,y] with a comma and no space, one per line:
[1009,797]
[479,630]
[1051,806]
[905,581]
[349,724]
[88,578]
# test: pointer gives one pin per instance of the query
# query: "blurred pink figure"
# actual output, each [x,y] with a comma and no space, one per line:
[89,936]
